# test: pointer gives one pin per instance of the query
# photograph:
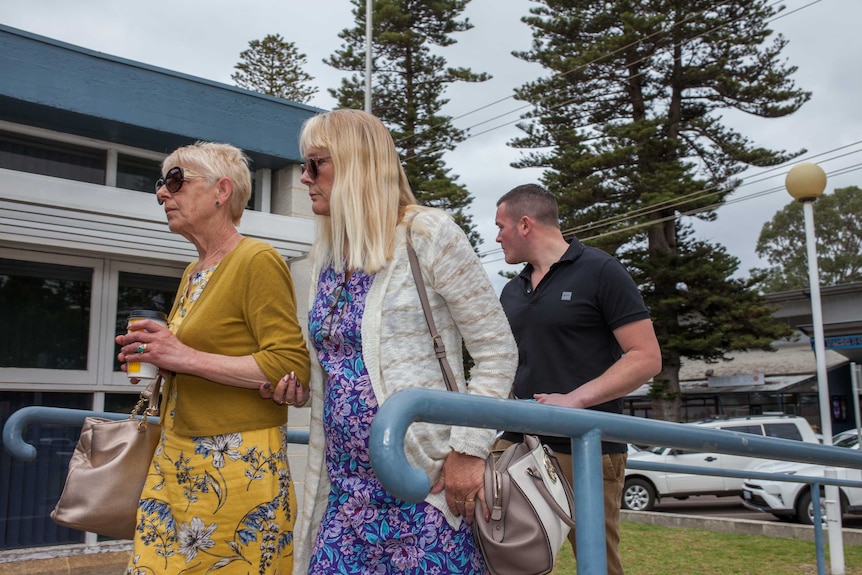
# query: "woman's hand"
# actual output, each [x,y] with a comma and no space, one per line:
[152,343]
[463,480]
[288,390]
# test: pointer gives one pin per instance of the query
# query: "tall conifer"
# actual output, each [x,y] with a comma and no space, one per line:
[409,81]
[275,67]
[629,127]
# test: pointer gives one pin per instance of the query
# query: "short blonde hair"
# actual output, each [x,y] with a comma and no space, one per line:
[370,192]
[214,160]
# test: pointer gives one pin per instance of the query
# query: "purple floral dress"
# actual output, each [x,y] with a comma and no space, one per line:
[365,529]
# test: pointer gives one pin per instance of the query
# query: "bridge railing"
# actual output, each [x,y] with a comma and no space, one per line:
[587,429]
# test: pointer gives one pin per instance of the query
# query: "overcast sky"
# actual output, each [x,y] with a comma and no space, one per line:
[205,38]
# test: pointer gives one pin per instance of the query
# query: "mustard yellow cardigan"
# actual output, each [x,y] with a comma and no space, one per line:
[247,308]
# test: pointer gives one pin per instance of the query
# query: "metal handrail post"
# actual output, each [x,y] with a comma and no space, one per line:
[589,509]
[818,529]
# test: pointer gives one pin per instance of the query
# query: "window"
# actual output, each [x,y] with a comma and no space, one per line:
[754,429]
[783,431]
[59,316]
[137,174]
[140,291]
[25,511]
[46,315]
[37,156]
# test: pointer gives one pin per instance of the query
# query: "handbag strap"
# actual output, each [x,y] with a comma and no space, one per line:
[558,510]
[439,347]
[150,396]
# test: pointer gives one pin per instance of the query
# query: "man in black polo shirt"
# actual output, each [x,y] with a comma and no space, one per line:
[585,338]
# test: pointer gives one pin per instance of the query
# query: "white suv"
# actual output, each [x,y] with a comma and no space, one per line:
[643,489]
[792,501]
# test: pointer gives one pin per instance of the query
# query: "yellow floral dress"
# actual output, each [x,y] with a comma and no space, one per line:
[219,504]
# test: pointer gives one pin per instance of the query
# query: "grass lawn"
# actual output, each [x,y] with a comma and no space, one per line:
[655,550]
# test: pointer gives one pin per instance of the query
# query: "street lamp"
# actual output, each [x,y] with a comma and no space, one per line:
[806,182]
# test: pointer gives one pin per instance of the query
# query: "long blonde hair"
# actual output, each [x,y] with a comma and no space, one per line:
[370,192]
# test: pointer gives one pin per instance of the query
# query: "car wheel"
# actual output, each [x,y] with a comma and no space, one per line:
[638,495]
[805,510]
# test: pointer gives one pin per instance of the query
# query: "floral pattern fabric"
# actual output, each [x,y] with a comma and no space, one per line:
[219,504]
[364,528]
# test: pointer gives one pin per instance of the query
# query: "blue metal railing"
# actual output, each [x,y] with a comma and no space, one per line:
[586,429]
[16,425]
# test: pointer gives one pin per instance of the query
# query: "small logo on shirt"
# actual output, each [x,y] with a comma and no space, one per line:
[567,296]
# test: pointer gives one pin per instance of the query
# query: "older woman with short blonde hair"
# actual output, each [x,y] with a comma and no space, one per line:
[219,493]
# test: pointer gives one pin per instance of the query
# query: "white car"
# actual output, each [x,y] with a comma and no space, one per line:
[643,489]
[792,501]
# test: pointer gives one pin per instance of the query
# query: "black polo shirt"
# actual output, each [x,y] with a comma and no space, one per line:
[564,328]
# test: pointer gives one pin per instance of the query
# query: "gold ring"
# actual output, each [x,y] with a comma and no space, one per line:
[470,500]
[142,348]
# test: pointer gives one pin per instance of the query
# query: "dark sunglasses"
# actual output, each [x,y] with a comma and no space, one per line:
[312,166]
[175,178]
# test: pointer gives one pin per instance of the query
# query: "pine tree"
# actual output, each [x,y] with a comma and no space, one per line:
[838,230]
[275,67]
[408,86]
[629,129]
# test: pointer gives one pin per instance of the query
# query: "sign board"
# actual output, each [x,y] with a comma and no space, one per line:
[842,342]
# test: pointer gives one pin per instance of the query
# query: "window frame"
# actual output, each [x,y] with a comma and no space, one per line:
[99,375]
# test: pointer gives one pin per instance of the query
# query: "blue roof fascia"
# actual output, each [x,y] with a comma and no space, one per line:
[59,86]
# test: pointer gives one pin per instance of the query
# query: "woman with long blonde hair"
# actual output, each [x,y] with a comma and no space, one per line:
[368,339]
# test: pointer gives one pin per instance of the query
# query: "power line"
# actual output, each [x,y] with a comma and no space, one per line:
[837,172]
[582,66]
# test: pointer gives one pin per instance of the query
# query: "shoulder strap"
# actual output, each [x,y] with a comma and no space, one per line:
[439,347]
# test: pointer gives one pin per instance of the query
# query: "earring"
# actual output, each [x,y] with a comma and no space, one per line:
[218,203]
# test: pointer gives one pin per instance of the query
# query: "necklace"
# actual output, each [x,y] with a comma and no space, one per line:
[203,263]
[200,278]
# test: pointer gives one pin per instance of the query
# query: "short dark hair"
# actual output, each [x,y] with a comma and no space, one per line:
[531,200]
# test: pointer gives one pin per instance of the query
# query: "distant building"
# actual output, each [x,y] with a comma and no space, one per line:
[757,382]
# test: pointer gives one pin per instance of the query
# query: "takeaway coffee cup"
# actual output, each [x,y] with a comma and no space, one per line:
[140,369]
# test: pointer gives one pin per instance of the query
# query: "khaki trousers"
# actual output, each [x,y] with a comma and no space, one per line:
[613,479]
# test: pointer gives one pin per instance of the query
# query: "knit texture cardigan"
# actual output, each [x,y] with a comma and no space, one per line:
[398,354]
[247,308]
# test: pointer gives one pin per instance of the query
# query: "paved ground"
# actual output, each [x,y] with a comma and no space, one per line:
[72,561]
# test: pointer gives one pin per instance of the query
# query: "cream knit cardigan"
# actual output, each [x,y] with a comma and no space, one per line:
[398,354]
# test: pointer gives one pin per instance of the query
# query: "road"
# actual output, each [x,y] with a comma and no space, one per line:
[730,507]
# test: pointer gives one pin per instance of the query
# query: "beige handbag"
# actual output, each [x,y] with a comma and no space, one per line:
[108,469]
[531,501]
